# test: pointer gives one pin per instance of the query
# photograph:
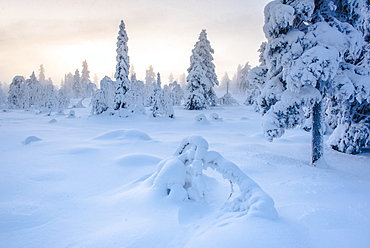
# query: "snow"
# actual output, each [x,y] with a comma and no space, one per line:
[91,181]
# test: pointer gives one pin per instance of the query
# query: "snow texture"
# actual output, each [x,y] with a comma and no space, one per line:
[181,176]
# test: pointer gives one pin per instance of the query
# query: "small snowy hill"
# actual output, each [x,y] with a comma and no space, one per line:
[92,181]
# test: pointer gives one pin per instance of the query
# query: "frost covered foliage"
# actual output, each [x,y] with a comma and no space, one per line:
[162,104]
[348,111]
[350,137]
[50,102]
[103,98]
[122,68]
[256,77]
[311,43]
[176,93]
[181,178]
[86,83]
[18,97]
[242,83]
[35,91]
[202,77]
[2,96]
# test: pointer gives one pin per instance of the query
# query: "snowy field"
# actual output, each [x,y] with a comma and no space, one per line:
[85,182]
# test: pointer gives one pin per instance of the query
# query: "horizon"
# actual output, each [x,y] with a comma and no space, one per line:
[60,36]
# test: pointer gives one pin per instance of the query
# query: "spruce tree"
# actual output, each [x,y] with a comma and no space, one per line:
[310,45]
[201,74]
[122,68]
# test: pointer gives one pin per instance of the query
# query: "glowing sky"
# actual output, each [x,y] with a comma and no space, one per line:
[61,34]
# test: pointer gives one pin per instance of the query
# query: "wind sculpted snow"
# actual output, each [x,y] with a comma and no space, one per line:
[89,183]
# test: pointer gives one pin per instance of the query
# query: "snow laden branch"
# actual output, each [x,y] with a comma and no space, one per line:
[181,178]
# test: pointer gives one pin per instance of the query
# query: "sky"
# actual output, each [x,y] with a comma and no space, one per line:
[60,35]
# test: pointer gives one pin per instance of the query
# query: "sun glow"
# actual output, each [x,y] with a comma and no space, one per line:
[100,57]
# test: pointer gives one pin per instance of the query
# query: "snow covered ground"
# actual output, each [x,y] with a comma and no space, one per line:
[85,182]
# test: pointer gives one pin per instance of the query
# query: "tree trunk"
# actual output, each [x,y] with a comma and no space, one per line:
[317,159]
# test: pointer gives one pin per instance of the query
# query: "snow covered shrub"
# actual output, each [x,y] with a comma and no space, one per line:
[181,178]
[72,114]
[201,119]
[350,137]
[215,117]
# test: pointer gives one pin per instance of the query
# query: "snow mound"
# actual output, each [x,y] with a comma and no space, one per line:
[31,139]
[202,119]
[122,135]
[181,178]
[215,117]
[137,160]
[72,114]
[52,120]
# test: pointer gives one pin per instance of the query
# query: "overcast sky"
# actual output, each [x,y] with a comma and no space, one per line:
[61,34]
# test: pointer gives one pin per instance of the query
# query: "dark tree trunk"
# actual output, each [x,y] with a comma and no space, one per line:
[317,130]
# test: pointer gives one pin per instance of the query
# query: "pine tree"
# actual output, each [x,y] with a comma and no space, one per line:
[310,43]
[201,74]
[122,68]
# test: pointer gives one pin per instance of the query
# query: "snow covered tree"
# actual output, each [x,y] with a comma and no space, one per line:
[2,96]
[309,45]
[176,93]
[18,94]
[195,99]
[62,100]
[122,68]
[201,73]
[162,105]
[68,84]
[78,90]
[50,98]
[242,84]
[103,98]
[35,91]
[86,84]
[257,77]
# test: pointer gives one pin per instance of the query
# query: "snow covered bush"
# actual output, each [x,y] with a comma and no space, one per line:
[181,178]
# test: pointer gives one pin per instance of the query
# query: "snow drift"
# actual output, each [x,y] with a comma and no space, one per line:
[181,178]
